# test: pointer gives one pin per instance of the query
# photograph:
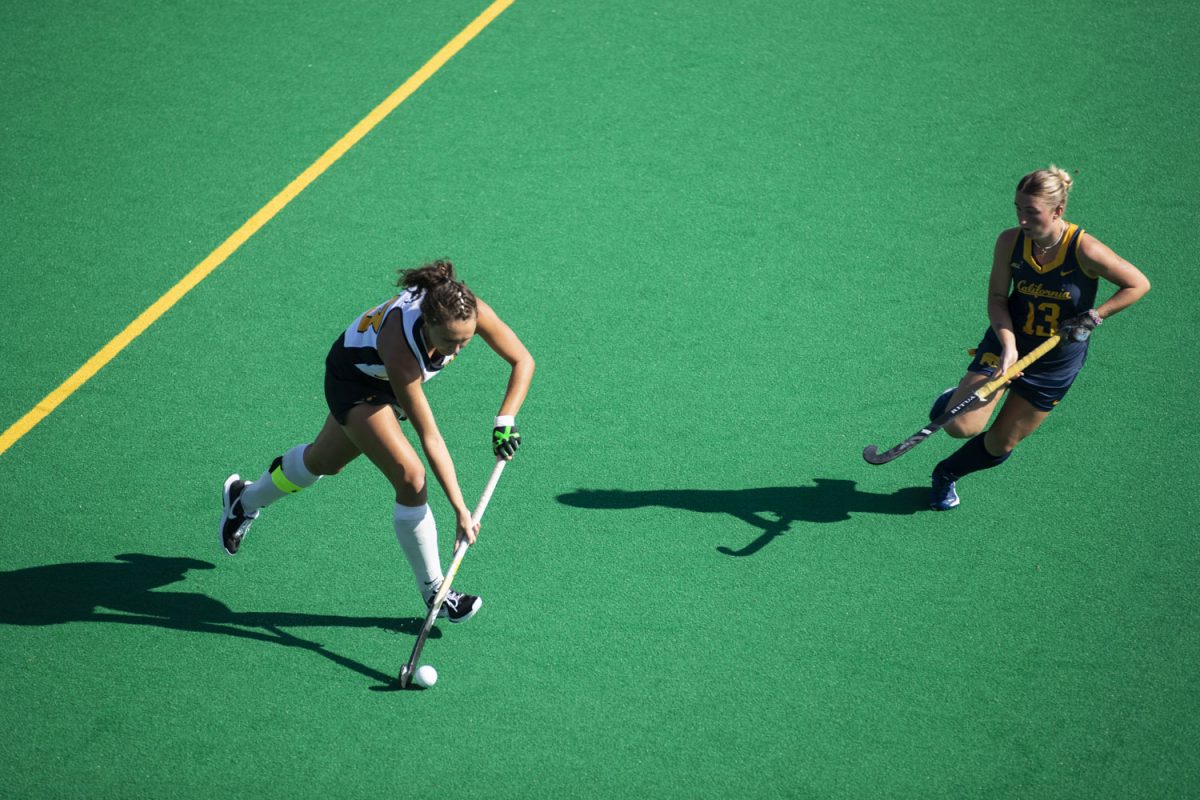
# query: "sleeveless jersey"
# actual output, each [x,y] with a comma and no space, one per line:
[359,342]
[1044,296]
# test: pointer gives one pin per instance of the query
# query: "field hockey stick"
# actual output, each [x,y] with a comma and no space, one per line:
[871,453]
[406,672]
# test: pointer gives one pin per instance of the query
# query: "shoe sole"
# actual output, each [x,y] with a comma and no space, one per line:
[226,512]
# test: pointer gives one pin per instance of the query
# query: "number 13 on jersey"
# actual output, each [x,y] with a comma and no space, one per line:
[1041,320]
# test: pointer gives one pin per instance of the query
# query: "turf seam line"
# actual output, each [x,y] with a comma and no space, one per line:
[46,405]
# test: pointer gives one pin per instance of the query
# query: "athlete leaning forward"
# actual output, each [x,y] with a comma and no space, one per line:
[374,375]
[1044,280]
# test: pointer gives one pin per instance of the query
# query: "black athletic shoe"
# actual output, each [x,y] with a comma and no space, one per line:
[939,404]
[234,520]
[457,607]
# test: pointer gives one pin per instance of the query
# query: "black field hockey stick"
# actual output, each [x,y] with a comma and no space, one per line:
[406,672]
[872,455]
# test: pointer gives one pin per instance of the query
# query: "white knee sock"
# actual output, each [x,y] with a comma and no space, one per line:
[417,534]
[286,475]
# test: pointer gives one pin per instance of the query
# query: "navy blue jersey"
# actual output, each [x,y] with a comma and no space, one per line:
[1043,296]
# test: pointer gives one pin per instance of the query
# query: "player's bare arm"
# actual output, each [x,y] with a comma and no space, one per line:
[999,285]
[1099,260]
[506,437]
[404,374]
[505,343]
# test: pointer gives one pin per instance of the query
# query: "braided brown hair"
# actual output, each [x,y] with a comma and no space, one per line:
[446,297]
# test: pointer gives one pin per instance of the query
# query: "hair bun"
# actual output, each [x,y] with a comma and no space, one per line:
[1063,176]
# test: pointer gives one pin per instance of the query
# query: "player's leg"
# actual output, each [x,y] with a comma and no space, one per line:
[982,368]
[376,432]
[1018,418]
[298,468]
[973,420]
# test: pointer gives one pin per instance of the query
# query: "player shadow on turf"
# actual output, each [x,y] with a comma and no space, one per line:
[124,592]
[773,509]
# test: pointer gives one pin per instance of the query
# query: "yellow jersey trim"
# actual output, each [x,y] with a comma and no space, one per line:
[1042,269]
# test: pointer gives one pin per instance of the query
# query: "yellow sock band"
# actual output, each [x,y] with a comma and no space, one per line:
[281,481]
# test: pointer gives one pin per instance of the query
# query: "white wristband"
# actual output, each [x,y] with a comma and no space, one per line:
[506,421]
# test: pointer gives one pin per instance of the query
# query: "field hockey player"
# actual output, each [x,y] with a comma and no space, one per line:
[1044,280]
[374,377]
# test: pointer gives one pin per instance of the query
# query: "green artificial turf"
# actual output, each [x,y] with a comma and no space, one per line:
[742,241]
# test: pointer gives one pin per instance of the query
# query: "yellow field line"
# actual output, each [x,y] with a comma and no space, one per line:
[239,237]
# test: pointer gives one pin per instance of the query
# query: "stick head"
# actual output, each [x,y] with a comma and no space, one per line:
[872,455]
[404,677]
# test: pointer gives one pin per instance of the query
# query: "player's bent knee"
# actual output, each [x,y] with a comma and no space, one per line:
[960,429]
[410,486]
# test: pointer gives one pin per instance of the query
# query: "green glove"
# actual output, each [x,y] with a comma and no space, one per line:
[505,437]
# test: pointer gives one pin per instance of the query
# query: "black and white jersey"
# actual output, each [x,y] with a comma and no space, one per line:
[359,342]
